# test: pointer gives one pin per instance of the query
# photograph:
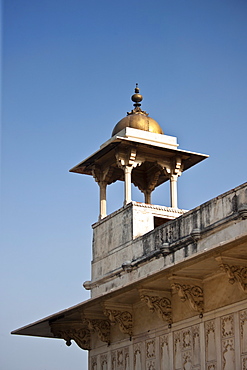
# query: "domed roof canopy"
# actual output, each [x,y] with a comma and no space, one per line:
[138,118]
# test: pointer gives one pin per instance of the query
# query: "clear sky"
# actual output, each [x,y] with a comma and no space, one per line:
[69,68]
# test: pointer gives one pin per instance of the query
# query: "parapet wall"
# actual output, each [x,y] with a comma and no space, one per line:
[208,226]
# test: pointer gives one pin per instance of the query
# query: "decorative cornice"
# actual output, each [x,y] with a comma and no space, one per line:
[122,318]
[193,294]
[159,304]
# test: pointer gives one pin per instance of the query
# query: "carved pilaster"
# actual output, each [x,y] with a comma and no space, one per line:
[157,302]
[122,318]
[193,294]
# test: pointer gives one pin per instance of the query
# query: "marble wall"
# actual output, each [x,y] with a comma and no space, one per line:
[216,341]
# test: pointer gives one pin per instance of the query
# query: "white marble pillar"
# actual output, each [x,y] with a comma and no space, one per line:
[173,191]
[127,184]
[102,205]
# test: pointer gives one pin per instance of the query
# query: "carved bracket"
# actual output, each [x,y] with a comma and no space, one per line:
[101,327]
[122,318]
[157,303]
[81,336]
[127,158]
[147,183]
[102,176]
[175,169]
[235,269]
[193,294]
[236,274]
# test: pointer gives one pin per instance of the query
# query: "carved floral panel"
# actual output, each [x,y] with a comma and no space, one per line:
[177,350]
[150,365]
[103,362]
[244,363]
[187,361]
[210,340]
[243,331]
[113,360]
[126,359]
[164,353]
[228,354]
[196,345]
[138,357]
[94,363]
[120,359]
[150,348]
[211,366]
[186,339]
[227,326]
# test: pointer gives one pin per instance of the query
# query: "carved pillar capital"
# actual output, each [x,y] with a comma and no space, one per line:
[174,171]
[127,161]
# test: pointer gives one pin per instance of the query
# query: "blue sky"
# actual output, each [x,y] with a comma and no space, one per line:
[68,71]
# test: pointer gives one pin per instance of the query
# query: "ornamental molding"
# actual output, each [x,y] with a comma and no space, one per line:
[157,302]
[157,207]
[121,315]
[193,294]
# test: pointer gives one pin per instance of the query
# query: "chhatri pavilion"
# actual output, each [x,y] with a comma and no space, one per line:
[168,286]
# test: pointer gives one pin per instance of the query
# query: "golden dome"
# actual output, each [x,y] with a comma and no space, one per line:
[138,118]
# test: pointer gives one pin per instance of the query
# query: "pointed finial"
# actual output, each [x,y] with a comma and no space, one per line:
[137,98]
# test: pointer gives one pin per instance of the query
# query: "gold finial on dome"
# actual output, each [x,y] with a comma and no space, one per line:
[138,118]
[137,98]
